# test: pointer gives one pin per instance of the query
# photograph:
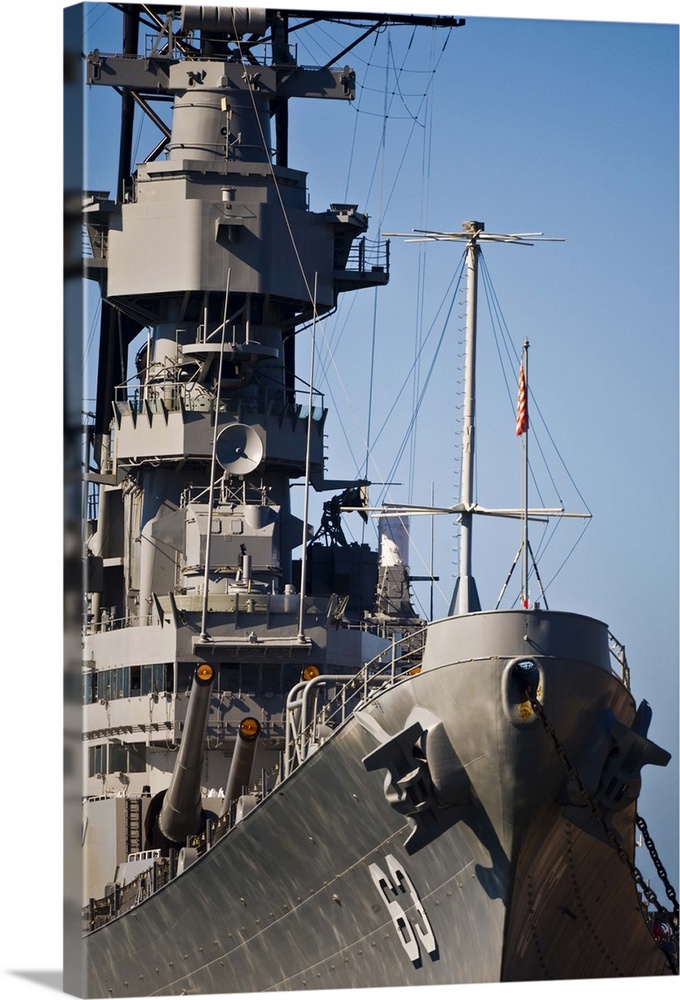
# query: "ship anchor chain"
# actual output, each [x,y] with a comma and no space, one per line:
[623,855]
[654,855]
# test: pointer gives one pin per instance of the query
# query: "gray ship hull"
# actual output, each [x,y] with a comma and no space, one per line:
[435,838]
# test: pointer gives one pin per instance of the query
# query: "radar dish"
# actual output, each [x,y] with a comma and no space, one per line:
[239,449]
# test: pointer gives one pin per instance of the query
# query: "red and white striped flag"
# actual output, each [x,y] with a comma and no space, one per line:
[522,410]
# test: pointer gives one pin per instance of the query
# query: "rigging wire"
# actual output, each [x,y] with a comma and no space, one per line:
[508,367]
[455,280]
[140,128]
[455,285]
[536,409]
[89,11]
[338,330]
[344,313]
[379,160]
[407,142]
[503,340]
[402,161]
[421,270]
[93,333]
[389,68]
[374,325]
[566,559]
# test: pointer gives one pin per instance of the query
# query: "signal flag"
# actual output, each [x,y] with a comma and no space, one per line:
[522,410]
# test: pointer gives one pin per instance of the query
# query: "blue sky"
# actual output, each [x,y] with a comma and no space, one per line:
[566,127]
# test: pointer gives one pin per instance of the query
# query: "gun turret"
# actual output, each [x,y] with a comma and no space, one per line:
[176,813]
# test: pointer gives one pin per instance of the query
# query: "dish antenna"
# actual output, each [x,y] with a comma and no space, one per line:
[239,449]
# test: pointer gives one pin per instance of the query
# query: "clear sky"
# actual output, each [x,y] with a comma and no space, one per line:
[565,127]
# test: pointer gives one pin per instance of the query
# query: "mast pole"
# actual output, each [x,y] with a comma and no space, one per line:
[525,483]
[466,596]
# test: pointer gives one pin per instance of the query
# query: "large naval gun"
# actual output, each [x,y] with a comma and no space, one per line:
[176,814]
[180,813]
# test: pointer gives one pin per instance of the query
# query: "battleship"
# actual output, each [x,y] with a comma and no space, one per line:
[292,780]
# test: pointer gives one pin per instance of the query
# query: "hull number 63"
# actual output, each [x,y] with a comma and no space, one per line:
[399,894]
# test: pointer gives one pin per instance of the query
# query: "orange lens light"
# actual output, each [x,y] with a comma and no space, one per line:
[249,728]
[204,672]
[310,672]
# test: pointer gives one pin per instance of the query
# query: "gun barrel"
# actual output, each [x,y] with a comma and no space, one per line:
[241,768]
[180,814]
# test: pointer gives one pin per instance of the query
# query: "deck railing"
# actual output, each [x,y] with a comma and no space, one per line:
[306,723]
[368,256]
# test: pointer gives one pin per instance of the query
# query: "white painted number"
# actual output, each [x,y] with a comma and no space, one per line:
[392,892]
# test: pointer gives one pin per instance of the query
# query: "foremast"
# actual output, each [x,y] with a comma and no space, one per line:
[465,596]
